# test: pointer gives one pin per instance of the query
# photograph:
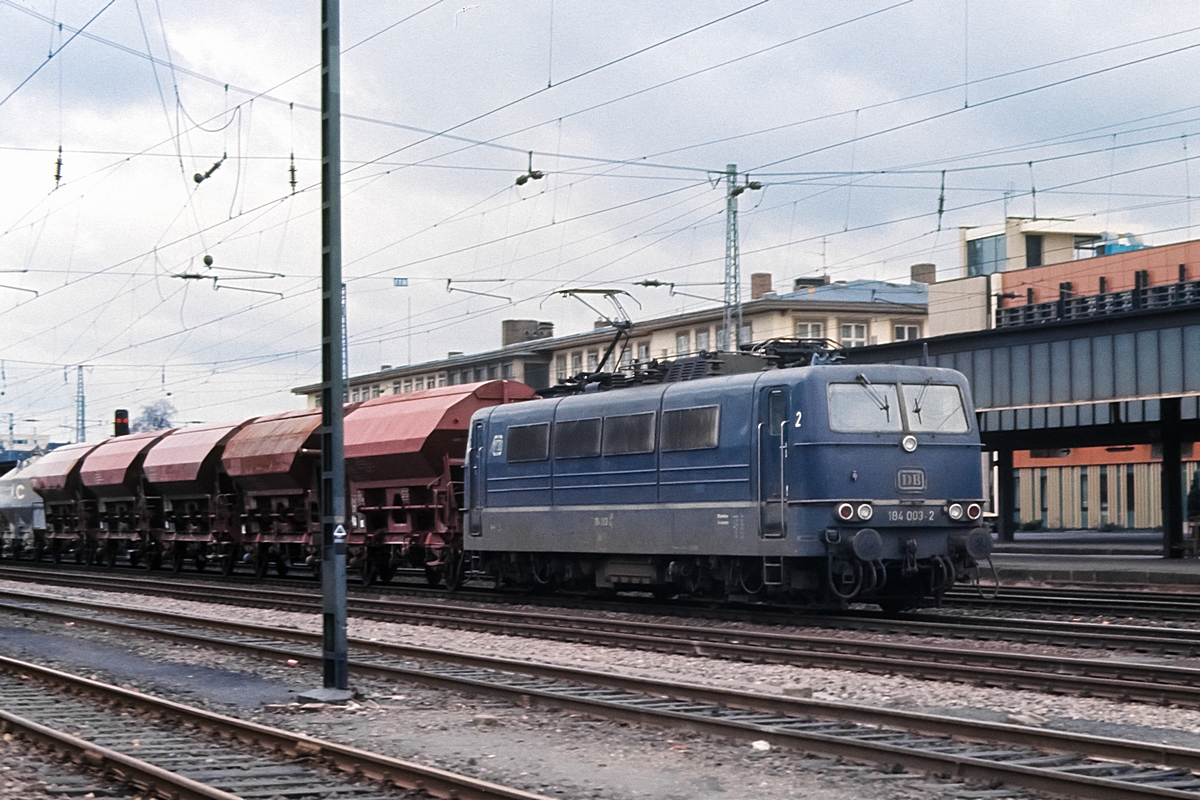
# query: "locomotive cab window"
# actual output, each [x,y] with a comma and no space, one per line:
[864,407]
[934,408]
[528,442]
[776,411]
[690,428]
[632,433]
[578,438]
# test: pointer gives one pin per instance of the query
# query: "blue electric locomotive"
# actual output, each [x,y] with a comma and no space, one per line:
[820,485]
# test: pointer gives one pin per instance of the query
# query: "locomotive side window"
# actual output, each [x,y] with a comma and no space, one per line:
[632,433]
[864,407]
[529,442]
[934,408]
[690,428]
[578,438]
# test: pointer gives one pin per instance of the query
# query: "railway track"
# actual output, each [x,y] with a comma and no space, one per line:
[174,751]
[1090,601]
[393,606]
[1045,760]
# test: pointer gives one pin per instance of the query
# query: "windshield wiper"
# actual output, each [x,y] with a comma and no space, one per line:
[921,396]
[879,399]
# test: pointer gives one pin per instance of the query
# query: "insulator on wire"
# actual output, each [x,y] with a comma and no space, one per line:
[292,171]
[58,168]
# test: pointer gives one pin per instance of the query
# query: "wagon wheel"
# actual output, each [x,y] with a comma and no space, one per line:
[200,560]
[135,557]
[152,558]
[262,558]
[282,563]
[227,560]
[89,553]
[454,570]
[384,569]
[108,554]
[368,570]
[56,553]
[39,551]
[178,553]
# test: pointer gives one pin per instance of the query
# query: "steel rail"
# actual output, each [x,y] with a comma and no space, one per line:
[1035,758]
[356,763]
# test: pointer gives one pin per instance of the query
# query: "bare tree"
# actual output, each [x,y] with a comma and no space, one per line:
[155,416]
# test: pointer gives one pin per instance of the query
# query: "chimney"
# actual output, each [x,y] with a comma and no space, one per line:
[519,331]
[760,284]
[924,273]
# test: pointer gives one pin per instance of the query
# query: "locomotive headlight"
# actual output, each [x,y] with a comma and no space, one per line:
[955,511]
[865,511]
[974,511]
[845,511]
[909,443]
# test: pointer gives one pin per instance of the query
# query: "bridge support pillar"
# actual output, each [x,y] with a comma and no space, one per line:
[1005,495]
[1172,478]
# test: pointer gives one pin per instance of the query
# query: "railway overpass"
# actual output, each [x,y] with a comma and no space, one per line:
[1129,375]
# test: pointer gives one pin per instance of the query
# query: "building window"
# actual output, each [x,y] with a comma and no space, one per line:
[376,390]
[722,339]
[747,335]
[809,330]
[478,374]
[408,386]
[643,351]
[560,367]
[683,343]
[854,334]
[442,379]
[1033,250]
[395,387]
[593,360]
[493,371]
[418,384]
[985,256]
[625,358]
[702,340]
[576,363]
[506,370]
[906,333]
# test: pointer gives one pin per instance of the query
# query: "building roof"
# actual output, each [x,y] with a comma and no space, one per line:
[863,291]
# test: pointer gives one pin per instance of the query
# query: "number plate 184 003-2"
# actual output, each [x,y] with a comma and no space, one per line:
[908,515]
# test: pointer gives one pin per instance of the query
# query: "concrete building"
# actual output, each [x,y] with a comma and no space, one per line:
[853,313]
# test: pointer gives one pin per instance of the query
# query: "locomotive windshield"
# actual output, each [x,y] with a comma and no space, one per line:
[865,407]
[934,408]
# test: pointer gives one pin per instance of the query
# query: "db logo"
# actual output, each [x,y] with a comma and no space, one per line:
[910,480]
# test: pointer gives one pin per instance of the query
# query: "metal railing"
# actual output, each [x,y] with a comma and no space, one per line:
[1145,298]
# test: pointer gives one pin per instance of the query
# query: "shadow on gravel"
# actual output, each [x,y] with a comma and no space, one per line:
[222,686]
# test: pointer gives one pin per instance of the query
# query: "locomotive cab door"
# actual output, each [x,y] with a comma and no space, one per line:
[772,457]
[475,482]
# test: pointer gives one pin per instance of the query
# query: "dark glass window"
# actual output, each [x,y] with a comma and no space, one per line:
[529,442]
[986,255]
[577,438]
[1033,250]
[690,428]
[776,412]
[633,433]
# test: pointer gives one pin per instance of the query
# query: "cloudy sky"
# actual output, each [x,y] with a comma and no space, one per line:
[848,113]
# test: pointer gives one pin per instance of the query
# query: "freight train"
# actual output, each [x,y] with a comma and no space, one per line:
[718,476]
